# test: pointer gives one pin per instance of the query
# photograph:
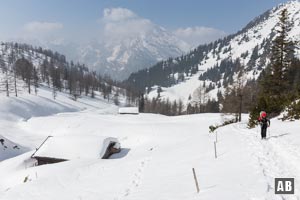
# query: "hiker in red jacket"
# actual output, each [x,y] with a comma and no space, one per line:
[264,123]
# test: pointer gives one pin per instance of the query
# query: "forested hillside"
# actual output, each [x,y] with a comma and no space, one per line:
[25,68]
[176,70]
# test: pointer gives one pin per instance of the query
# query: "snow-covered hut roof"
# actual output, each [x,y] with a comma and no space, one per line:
[129,110]
[75,147]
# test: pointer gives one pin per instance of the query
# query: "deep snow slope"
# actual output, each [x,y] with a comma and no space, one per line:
[9,149]
[14,110]
[156,161]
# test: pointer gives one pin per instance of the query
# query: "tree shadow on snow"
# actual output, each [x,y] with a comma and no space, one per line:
[121,154]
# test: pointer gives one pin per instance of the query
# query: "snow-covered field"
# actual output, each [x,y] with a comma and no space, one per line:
[157,157]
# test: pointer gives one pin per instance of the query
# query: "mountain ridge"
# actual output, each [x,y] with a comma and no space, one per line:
[178,78]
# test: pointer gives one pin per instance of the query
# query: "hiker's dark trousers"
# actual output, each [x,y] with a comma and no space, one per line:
[263,131]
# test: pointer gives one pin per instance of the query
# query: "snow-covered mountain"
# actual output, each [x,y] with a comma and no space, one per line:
[128,43]
[119,58]
[215,63]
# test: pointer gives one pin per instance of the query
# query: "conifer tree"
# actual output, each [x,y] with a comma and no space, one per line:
[273,82]
[281,57]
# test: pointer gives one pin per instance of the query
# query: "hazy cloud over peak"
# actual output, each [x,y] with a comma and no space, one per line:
[121,23]
[199,35]
[41,33]
[44,27]
[118,14]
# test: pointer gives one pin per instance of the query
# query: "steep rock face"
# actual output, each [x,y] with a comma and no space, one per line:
[216,63]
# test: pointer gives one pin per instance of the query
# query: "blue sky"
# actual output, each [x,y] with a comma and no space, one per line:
[80,18]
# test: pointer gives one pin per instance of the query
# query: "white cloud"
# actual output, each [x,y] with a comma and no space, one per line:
[118,14]
[42,27]
[121,23]
[199,35]
[41,33]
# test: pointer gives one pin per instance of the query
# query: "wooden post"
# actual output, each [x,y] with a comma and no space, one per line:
[215,144]
[196,181]
[241,104]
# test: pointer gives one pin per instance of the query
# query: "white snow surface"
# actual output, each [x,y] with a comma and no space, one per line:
[17,110]
[157,156]
[75,147]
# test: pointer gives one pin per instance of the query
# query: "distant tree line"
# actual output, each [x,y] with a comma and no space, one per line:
[165,107]
[176,107]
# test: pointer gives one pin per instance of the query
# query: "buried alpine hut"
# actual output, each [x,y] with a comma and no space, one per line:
[129,110]
[62,148]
